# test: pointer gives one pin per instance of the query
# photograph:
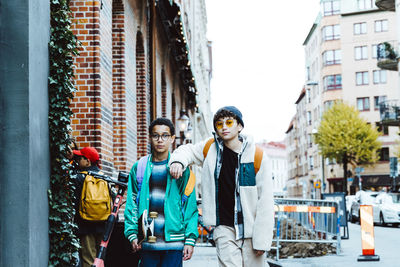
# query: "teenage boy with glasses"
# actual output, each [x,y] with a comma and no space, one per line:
[175,226]
[236,198]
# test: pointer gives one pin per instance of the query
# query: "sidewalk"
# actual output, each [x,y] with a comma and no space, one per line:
[351,249]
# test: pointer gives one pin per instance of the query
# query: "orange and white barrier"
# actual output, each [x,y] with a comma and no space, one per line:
[304,208]
[367,234]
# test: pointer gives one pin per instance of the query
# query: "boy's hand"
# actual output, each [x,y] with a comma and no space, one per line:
[187,252]
[176,170]
[135,246]
[259,252]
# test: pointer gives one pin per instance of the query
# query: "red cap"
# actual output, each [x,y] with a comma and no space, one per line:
[88,152]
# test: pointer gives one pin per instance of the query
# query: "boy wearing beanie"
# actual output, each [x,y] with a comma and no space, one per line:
[236,191]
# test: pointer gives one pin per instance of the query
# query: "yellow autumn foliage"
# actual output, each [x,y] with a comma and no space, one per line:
[343,134]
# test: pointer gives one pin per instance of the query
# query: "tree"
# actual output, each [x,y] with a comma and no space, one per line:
[345,136]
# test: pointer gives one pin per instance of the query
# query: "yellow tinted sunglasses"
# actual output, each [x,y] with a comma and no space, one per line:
[220,124]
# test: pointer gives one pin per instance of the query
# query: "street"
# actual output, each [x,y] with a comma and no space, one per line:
[386,246]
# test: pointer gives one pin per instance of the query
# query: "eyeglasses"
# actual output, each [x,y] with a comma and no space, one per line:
[220,124]
[164,137]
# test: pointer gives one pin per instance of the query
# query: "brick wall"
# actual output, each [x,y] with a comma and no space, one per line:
[119,89]
[143,98]
[113,102]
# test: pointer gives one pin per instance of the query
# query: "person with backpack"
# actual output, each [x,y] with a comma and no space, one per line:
[93,203]
[160,213]
[236,190]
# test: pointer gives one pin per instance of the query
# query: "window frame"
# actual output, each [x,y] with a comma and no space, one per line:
[336,57]
[363,52]
[332,11]
[382,128]
[379,99]
[365,103]
[387,157]
[364,74]
[335,85]
[361,28]
[364,6]
[334,36]
[381,74]
[381,21]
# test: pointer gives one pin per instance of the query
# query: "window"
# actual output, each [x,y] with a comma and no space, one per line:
[360,28]
[308,95]
[309,119]
[378,100]
[331,8]
[365,4]
[379,76]
[383,128]
[333,82]
[375,51]
[331,32]
[381,25]
[332,57]
[384,154]
[309,140]
[311,162]
[328,104]
[362,78]
[360,52]
[363,103]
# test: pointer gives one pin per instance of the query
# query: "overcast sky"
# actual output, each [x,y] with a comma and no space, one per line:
[258,59]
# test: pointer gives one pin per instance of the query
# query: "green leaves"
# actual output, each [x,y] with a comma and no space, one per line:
[63,46]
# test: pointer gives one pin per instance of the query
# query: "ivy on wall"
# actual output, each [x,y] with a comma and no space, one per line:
[63,47]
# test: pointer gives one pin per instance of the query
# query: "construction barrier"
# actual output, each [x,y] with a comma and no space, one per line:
[306,221]
[367,234]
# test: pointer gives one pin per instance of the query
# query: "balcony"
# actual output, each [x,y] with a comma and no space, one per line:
[387,5]
[387,56]
[390,112]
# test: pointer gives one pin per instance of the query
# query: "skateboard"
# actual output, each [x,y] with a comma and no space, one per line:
[146,227]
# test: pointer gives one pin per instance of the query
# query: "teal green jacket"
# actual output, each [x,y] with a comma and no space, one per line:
[180,221]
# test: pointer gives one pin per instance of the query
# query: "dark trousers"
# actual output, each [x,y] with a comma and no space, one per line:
[161,258]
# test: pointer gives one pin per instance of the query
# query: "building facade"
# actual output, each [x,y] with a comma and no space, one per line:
[341,52]
[277,165]
[139,60]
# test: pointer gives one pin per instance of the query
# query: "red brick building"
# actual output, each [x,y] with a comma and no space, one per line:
[135,65]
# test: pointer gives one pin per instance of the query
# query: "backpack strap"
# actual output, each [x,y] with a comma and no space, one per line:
[258,155]
[141,167]
[207,146]
[191,183]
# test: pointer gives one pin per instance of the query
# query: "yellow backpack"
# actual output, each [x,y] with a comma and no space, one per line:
[95,204]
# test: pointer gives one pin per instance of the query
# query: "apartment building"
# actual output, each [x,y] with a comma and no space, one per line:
[341,51]
[277,165]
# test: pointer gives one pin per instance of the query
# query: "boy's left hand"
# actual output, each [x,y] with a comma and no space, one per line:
[259,252]
[187,252]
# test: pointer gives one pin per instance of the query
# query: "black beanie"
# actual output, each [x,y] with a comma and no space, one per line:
[235,111]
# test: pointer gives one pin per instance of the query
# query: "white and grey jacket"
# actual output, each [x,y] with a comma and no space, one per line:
[254,196]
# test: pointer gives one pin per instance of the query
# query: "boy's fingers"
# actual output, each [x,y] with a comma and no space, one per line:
[176,170]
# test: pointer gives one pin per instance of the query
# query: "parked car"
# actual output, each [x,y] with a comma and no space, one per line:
[387,208]
[361,198]
[349,201]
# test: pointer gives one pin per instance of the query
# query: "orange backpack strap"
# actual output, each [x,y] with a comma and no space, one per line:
[258,155]
[207,147]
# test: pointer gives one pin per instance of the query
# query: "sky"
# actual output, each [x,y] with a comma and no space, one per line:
[258,60]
